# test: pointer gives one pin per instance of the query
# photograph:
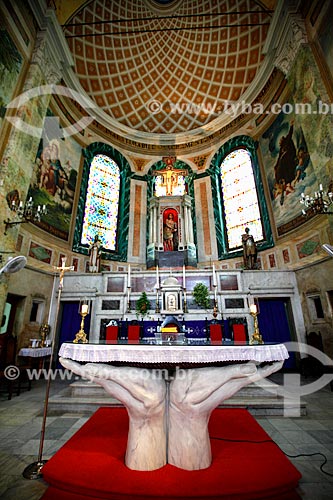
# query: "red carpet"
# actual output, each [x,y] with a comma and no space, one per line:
[91,465]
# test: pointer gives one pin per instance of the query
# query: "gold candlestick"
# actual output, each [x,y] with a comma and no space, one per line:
[256,338]
[81,337]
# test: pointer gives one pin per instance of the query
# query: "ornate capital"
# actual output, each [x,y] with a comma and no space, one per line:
[295,36]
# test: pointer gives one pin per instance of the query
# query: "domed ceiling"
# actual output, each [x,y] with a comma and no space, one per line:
[167,67]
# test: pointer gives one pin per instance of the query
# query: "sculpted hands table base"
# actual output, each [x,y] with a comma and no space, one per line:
[168,421]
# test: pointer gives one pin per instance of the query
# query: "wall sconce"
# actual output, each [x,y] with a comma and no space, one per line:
[27,212]
[319,203]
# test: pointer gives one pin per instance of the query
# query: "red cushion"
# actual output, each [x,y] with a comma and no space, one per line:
[240,470]
[111,333]
[215,332]
[133,332]
[239,333]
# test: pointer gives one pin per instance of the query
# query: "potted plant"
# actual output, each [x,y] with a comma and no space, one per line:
[201,296]
[142,305]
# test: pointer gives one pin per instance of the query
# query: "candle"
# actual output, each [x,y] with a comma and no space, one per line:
[129,276]
[84,308]
[214,276]
[253,308]
[157,279]
[184,278]
[320,187]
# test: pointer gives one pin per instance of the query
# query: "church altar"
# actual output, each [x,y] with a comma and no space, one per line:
[168,415]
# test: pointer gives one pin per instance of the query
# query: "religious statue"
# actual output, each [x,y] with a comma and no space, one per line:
[170,233]
[249,250]
[95,254]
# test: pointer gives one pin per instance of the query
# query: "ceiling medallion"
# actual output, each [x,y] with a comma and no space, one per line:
[163,6]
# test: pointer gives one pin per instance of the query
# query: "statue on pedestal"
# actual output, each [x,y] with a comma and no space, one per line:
[249,250]
[95,254]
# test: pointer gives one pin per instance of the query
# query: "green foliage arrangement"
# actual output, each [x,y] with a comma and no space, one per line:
[142,305]
[201,296]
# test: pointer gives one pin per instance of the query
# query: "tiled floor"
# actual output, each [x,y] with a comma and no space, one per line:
[21,422]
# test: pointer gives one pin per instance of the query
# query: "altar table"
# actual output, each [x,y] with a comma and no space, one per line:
[168,418]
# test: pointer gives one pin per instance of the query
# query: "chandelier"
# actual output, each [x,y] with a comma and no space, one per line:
[319,203]
[27,212]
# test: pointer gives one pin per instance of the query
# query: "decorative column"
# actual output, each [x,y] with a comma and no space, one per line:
[49,60]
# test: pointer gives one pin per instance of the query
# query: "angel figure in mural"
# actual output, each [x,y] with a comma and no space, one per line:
[170,233]
[95,255]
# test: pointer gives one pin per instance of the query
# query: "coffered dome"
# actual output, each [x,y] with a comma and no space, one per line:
[167,67]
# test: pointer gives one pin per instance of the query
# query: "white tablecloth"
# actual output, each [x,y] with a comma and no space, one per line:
[106,353]
[38,352]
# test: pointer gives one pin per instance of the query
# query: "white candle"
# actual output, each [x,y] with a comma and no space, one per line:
[84,308]
[320,187]
[184,277]
[214,276]
[157,278]
[129,276]
[253,308]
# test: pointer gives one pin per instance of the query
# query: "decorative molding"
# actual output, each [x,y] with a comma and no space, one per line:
[295,36]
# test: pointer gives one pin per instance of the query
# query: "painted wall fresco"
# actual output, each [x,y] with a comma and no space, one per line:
[54,181]
[10,67]
[297,148]
[39,252]
[326,39]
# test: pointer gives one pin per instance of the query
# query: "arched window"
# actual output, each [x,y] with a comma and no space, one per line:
[239,198]
[102,203]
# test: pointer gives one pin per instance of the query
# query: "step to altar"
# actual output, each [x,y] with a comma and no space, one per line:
[85,397]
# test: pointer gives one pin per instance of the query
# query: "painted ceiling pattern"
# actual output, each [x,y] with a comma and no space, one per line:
[167,73]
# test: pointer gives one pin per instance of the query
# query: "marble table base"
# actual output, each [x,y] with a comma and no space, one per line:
[168,418]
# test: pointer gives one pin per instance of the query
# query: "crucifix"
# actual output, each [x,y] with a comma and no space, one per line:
[34,470]
[62,270]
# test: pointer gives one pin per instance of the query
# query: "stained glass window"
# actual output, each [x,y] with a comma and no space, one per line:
[240,199]
[102,202]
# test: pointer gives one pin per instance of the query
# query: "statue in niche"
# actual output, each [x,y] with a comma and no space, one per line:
[170,232]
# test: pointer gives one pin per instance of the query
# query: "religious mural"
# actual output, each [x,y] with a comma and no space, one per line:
[53,183]
[10,67]
[326,39]
[298,147]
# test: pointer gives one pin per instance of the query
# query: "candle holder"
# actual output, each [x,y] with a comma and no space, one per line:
[256,337]
[81,337]
[185,309]
[44,331]
[157,309]
[128,299]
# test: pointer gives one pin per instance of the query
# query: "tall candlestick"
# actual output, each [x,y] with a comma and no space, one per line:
[129,276]
[157,279]
[184,277]
[214,276]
